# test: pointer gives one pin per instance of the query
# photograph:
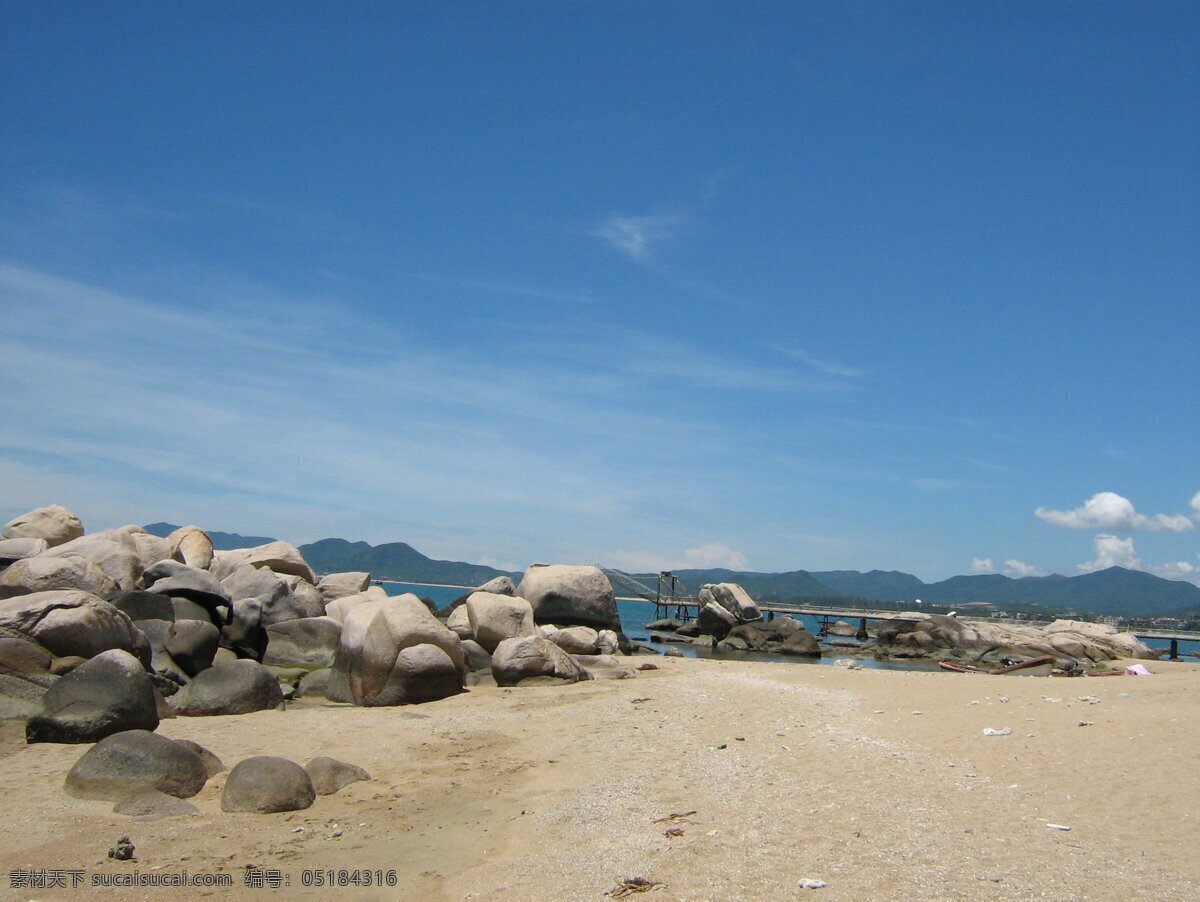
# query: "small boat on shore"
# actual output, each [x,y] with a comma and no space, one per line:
[1033,667]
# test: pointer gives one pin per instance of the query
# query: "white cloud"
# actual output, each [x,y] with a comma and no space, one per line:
[1015,568]
[1108,510]
[1196,505]
[704,557]
[638,236]
[982,565]
[1112,551]
[828,367]
[1178,570]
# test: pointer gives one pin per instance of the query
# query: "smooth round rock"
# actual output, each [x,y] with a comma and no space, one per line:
[265,784]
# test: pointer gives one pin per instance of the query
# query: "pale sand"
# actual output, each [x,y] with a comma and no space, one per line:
[549,793]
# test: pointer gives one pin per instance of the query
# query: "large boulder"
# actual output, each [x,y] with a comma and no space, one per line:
[281,557]
[265,784]
[110,551]
[338,585]
[576,640]
[494,618]
[193,546]
[181,581]
[71,622]
[715,620]
[21,692]
[245,634]
[20,654]
[308,642]
[339,609]
[140,605]
[374,634]
[123,762]
[329,775]
[300,600]
[420,673]
[238,687]
[47,573]
[55,524]
[192,644]
[570,596]
[800,643]
[108,694]
[529,657]
[149,804]
[12,550]
[732,598]
[460,622]
[605,667]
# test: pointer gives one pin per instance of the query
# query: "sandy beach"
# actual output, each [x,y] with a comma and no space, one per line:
[881,784]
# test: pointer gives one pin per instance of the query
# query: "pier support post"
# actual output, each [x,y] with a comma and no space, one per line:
[1174,656]
[861,635]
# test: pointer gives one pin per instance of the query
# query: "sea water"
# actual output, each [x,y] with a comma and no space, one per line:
[635,614]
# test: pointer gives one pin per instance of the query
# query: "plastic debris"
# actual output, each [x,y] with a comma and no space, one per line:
[1085,723]
[810,883]
[1138,670]
[988,731]
[1058,827]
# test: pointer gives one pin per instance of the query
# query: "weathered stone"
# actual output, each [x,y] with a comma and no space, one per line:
[338,585]
[460,622]
[315,682]
[478,657]
[576,640]
[801,643]
[192,644]
[570,596]
[122,762]
[16,549]
[149,804]
[181,581]
[63,666]
[715,621]
[48,573]
[184,609]
[308,642]
[523,658]
[732,598]
[235,688]
[19,654]
[494,618]
[71,622]
[21,693]
[329,775]
[212,764]
[110,551]
[265,784]
[301,600]
[193,546]
[281,557]
[605,667]
[139,605]
[245,633]
[54,523]
[340,608]
[375,633]
[110,693]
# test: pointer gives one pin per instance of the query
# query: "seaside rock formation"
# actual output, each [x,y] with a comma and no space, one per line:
[118,764]
[245,634]
[72,622]
[12,550]
[340,608]
[111,551]
[460,622]
[309,642]
[238,687]
[191,545]
[338,585]
[478,658]
[570,596]
[329,775]
[54,523]
[316,682]
[265,784]
[529,657]
[917,634]
[141,605]
[301,599]
[731,597]
[494,618]
[46,573]
[373,636]
[192,644]
[800,643]
[715,620]
[605,667]
[24,675]
[780,628]
[110,693]
[149,804]
[421,673]
[281,557]
[575,640]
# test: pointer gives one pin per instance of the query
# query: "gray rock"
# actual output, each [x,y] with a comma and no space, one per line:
[421,673]
[570,596]
[192,645]
[715,620]
[576,640]
[265,784]
[339,609]
[330,775]
[460,622]
[21,693]
[48,573]
[374,634]
[235,688]
[149,804]
[280,557]
[109,694]
[185,609]
[111,551]
[477,656]
[732,598]
[181,581]
[19,654]
[801,643]
[63,666]
[529,657]
[605,667]
[245,581]
[300,601]
[72,622]
[120,763]
[212,764]
[54,523]
[245,633]
[494,618]
[338,585]
[306,642]
[315,682]
[139,605]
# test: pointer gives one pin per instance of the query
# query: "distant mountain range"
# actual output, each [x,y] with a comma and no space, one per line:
[222,541]
[1112,591]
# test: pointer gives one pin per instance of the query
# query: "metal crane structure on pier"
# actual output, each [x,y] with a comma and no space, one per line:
[670,596]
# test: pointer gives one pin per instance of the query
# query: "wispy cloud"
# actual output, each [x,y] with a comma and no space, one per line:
[1108,510]
[637,237]
[821,365]
[982,565]
[708,556]
[1018,569]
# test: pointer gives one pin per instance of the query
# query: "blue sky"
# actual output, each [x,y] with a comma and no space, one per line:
[762,285]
